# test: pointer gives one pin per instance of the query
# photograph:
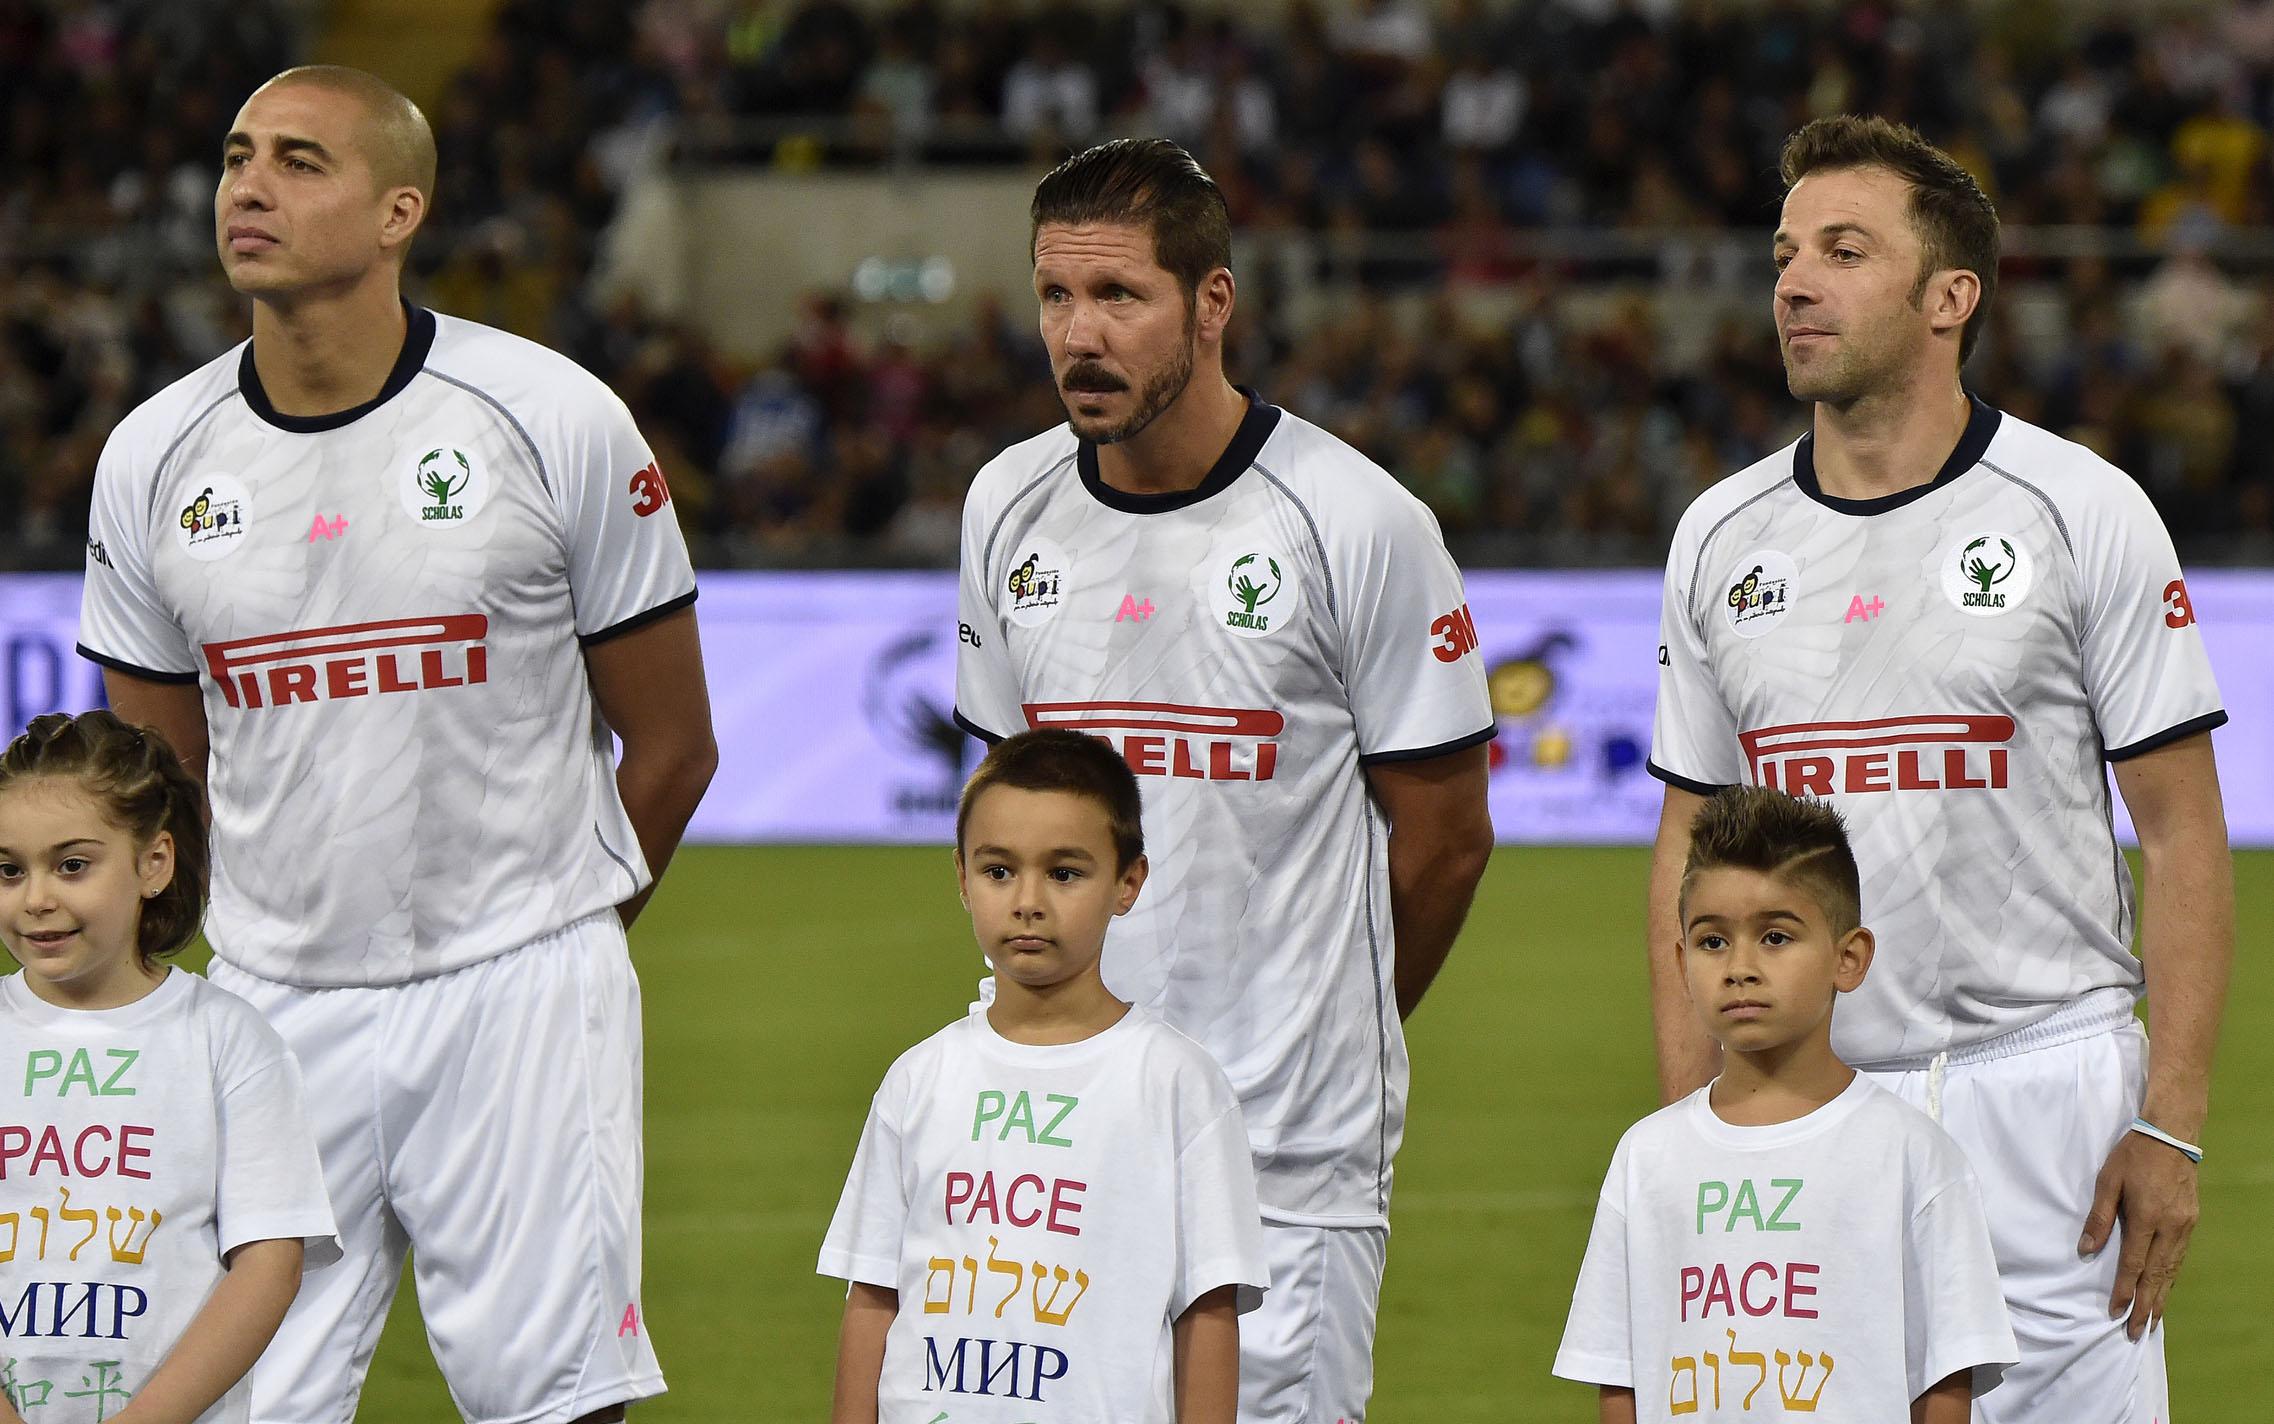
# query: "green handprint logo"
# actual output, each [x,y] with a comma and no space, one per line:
[1254,586]
[435,477]
[1983,572]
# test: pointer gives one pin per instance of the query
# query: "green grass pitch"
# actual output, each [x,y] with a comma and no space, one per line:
[780,982]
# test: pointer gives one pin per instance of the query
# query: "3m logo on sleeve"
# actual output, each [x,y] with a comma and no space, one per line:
[351,660]
[2177,611]
[649,492]
[1959,752]
[1453,636]
[1172,739]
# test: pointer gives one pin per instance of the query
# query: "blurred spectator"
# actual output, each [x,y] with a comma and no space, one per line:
[898,87]
[1484,104]
[2074,113]
[1179,83]
[1049,99]
[2189,305]
[1249,109]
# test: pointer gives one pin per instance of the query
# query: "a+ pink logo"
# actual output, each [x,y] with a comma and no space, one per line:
[1857,608]
[1132,610]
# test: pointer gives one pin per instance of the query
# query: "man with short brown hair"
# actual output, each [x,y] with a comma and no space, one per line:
[1263,622]
[1946,621]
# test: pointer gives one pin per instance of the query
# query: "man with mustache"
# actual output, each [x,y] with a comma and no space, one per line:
[1945,621]
[1258,618]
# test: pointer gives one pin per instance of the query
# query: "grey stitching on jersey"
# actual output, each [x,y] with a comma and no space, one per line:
[1698,568]
[510,419]
[150,511]
[1325,569]
[1381,1034]
[2050,508]
[629,873]
[987,555]
[2122,873]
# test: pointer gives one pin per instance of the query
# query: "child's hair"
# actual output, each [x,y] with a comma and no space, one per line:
[143,789]
[1802,841]
[1054,759]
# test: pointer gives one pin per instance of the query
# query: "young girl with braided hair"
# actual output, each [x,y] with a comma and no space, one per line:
[159,1188]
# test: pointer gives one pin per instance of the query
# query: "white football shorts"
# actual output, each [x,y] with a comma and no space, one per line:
[2038,1111]
[1307,1353]
[487,1120]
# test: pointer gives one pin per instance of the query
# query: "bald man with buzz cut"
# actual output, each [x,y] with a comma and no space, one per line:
[392,581]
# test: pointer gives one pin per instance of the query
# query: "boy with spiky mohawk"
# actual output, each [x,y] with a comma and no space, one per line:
[1052,1215]
[1789,1219]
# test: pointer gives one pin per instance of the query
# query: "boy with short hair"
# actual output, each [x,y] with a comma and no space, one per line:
[1789,1223]
[1052,1214]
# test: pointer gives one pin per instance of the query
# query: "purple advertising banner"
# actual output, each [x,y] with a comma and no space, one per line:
[833,692]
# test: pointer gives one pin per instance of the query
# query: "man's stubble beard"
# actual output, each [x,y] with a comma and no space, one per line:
[1159,394]
[1845,379]
[1854,372]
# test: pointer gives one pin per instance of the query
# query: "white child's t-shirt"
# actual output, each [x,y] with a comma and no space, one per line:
[1837,1265]
[138,1146]
[1046,1213]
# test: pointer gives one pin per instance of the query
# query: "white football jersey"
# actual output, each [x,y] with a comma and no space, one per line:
[1248,646]
[1950,666]
[386,611]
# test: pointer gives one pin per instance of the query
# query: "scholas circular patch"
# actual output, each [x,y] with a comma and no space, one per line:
[1987,574]
[443,484]
[1256,591]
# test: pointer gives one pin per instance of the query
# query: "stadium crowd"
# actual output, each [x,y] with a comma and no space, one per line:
[1557,422]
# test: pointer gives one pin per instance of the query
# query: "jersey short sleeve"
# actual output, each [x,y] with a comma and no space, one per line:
[1693,740]
[2145,668]
[122,622]
[1954,1311]
[864,1237]
[1598,1336]
[627,557]
[987,703]
[1410,662]
[270,1184]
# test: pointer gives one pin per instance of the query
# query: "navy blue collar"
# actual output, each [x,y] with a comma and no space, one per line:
[418,340]
[1981,428]
[1247,442]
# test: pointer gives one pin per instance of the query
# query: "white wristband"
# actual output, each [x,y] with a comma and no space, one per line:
[2148,1129]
